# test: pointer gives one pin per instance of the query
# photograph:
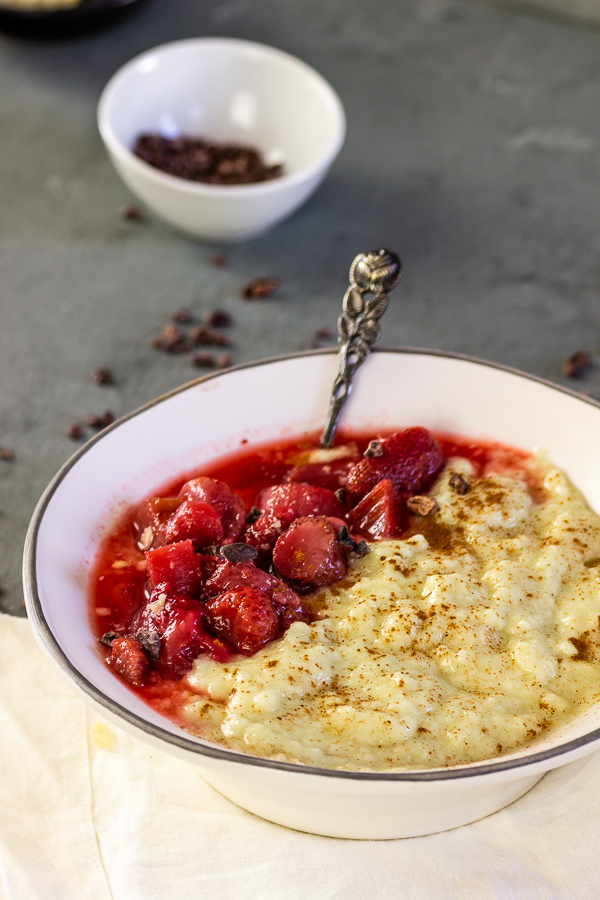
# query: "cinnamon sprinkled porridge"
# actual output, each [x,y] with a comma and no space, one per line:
[474,636]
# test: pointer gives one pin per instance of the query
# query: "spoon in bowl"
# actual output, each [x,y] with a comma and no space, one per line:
[376,272]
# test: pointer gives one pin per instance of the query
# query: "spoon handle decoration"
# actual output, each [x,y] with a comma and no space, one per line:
[375,273]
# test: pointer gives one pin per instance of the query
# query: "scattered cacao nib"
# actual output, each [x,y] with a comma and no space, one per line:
[422,505]
[182,315]
[356,548]
[95,420]
[238,553]
[340,495]
[459,484]
[197,159]
[311,345]
[74,431]
[253,515]
[223,361]
[149,642]
[171,339]
[204,334]
[217,318]
[203,360]
[102,375]
[6,455]
[260,288]
[374,450]
[323,334]
[108,638]
[576,364]
[219,260]
[130,213]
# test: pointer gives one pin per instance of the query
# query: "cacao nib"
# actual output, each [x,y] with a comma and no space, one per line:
[576,364]
[223,361]
[149,641]
[6,455]
[219,260]
[102,375]
[74,431]
[217,318]
[374,450]
[171,339]
[459,484]
[203,360]
[100,421]
[130,213]
[182,315]
[238,553]
[259,288]
[422,506]
[204,334]
[108,638]
[197,159]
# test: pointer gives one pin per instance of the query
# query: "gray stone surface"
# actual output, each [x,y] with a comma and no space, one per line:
[472,150]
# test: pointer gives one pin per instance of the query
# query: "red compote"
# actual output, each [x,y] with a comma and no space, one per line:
[225,561]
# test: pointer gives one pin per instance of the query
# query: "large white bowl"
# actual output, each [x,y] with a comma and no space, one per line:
[226,91]
[265,401]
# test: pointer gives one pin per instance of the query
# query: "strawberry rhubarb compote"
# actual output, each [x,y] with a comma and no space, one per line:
[404,601]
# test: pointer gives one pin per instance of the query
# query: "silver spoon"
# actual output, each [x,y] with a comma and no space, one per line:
[376,272]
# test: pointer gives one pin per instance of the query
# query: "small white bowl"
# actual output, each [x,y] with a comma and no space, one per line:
[229,91]
[262,402]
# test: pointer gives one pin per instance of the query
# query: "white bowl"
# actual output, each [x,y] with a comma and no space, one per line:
[227,91]
[261,402]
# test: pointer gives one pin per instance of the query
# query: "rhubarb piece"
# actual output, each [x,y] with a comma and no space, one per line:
[198,521]
[245,617]
[229,506]
[308,554]
[129,660]
[177,565]
[177,620]
[380,514]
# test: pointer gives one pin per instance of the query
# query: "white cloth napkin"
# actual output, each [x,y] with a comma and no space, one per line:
[88,812]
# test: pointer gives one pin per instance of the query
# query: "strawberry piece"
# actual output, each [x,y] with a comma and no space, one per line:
[380,514]
[229,576]
[299,499]
[410,459]
[244,617]
[198,521]
[129,660]
[228,505]
[282,505]
[178,621]
[308,554]
[176,564]
[150,521]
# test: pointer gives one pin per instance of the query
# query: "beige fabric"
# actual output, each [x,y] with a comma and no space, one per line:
[88,812]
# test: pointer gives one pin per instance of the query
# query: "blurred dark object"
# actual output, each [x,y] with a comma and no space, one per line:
[49,24]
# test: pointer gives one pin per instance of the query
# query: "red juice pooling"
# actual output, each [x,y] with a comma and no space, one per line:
[223,562]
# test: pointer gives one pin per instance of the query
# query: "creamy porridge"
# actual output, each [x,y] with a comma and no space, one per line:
[475,634]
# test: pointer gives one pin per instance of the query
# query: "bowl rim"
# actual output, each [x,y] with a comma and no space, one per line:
[199,188]
[213,751]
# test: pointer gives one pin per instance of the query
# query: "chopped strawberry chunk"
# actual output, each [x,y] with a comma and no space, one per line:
[285,503]
[177,619]
[129,660]
[176,564]
[228,576]
[410,459]
[300,500]
[198,521]
[381,513]
[150,521]
[309,554]
[229,506]
[244,617]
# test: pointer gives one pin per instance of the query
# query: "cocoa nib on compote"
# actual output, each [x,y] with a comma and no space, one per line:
[228,565]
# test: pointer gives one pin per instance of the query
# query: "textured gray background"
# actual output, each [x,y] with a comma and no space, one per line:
[472,149]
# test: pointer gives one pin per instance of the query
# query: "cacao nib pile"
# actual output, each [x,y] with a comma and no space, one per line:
[226,578]
[197,159]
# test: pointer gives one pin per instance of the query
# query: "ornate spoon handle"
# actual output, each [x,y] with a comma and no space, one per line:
[376,272]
